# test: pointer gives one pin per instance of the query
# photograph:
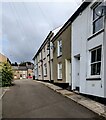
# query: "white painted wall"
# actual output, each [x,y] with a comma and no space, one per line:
[81,31]
[79,41]
[104,45]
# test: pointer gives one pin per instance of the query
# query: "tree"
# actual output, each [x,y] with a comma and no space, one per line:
[22,64]
[7,74]
[14,64]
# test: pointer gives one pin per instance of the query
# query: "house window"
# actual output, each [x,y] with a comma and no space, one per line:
[40,57]
[48,52]
[39,71]
[97,20]
[45,69]
[96,61]
[59,43]
[60,71]
[44,55]
[36,72]
[48,48]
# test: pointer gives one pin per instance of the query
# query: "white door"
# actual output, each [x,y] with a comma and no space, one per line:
[68,71]
[51,70]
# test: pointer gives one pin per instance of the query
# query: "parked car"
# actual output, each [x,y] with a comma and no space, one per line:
[29,77]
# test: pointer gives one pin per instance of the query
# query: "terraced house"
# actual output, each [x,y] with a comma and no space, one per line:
[43,60]
[88,49]
[79,49]
[62,56]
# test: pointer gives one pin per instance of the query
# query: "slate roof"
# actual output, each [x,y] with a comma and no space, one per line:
[22,68]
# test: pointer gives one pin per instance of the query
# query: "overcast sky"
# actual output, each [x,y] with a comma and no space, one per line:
[25,25]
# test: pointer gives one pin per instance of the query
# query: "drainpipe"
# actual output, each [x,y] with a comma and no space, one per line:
[48,48]
[49,61]
[37,67]
[42,65]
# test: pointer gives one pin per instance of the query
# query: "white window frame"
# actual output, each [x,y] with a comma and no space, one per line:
[95,20]
[47,52]
[59,47]
[45,69]
[59,70]
[95,76]
[36,71]
[40,56]
[44,53]
[39,70]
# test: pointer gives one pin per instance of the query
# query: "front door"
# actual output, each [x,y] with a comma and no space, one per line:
[68,71]
[77,75]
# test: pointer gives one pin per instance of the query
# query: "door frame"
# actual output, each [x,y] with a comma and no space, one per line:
[77,72]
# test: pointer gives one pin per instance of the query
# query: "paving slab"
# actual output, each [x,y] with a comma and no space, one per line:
[64,92]
[90,104]
[52,86]
[55,87]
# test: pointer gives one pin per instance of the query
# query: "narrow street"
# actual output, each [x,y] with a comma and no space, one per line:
[30,99]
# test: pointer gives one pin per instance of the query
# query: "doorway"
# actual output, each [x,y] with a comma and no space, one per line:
[68,71]
[77,72]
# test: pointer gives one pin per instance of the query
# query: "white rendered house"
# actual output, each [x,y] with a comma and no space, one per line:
[89,49]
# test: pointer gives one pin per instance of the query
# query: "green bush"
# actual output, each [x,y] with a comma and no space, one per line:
[6,74]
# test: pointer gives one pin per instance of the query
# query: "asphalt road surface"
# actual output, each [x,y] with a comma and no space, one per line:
[30,99]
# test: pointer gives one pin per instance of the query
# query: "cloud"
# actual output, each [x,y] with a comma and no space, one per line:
[26,25]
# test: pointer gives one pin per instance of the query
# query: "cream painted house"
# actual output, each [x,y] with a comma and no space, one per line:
[62,56]
[3,58]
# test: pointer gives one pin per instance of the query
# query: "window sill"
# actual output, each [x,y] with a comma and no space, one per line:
[95,34]
[59,79]
[91,79]
[59,56]
[45,75]
[48,55]
[44,58]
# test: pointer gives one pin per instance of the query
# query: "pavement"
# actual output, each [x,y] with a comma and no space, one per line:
[2,92]
[92,105]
